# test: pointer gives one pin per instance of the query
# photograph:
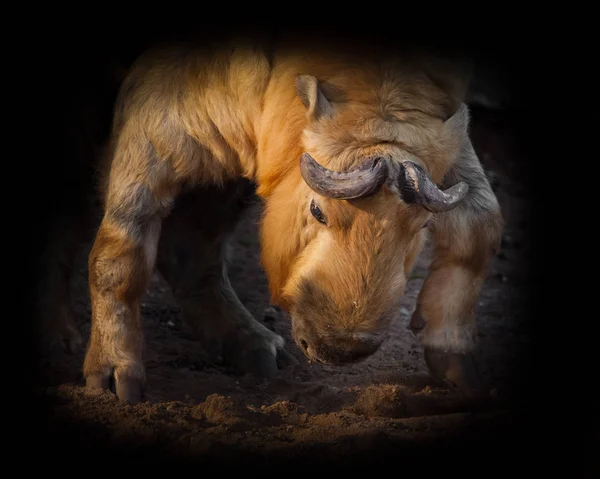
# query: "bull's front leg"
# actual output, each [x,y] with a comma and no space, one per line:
[465,240]
[119,270]
[120,265]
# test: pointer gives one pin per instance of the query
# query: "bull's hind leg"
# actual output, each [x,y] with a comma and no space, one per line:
[139,194]
[465,239]
[192,258]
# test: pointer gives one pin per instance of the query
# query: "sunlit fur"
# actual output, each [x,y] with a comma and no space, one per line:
[188,117]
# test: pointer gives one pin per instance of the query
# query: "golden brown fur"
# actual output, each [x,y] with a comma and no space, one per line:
[188,118]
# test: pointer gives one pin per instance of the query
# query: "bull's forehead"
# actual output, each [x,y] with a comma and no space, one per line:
[371,225]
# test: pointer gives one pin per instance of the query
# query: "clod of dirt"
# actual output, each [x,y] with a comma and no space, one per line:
[218,409]
[396,401]
[283,409]
[383,400]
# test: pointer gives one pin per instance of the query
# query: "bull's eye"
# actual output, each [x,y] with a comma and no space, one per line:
[317,213]
[426,224]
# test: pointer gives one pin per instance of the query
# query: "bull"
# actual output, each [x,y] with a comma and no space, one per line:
[358,156]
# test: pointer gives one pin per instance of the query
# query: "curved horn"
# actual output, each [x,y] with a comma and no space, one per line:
[364,180]
[416,186]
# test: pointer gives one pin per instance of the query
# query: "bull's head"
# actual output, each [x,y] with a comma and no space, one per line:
[339,240]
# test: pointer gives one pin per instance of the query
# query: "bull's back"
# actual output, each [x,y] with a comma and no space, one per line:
[197,108]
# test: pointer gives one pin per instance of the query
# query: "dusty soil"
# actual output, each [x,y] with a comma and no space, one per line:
[198,410]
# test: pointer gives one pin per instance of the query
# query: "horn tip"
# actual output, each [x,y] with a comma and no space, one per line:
[463,189]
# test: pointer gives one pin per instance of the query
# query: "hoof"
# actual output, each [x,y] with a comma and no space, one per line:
[261,363]
[285,359]
[97,381]
[258,352]
[129,390]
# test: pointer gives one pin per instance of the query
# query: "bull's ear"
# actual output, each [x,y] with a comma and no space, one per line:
[458,123]
[312,97]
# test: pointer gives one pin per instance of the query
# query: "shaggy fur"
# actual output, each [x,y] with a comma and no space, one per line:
[188,117]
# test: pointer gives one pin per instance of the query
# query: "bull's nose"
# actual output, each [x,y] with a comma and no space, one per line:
[303,345]
[308,348]
[301,336]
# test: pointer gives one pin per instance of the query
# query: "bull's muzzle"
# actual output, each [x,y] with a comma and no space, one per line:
[336,349]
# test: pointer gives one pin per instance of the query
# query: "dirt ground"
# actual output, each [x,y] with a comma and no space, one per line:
[195,410]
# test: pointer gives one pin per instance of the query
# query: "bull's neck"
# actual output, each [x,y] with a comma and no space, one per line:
[279,135]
